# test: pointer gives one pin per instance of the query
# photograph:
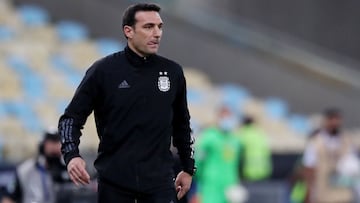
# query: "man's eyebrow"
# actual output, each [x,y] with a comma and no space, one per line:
[153,24]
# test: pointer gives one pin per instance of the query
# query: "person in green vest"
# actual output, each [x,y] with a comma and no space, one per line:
[217,159]
[256,161]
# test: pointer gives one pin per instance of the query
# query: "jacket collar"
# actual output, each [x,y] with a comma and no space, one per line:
[137,60]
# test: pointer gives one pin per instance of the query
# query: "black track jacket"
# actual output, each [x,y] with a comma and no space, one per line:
[139,103]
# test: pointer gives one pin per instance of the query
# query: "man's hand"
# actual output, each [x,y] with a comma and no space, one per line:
[182,184]
[77,172]
[6,200]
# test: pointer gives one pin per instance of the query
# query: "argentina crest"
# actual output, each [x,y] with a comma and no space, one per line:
[163,82]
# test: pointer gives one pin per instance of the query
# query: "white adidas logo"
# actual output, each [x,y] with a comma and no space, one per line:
[124,84]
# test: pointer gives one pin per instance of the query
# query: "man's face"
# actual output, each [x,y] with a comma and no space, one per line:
[146,34]
[52,148]
[226,120]
[333,124]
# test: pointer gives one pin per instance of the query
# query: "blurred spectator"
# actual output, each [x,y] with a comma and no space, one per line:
[217,157]
[330,162]
[256,161]
[37,177]
[299,189]
[7,200]
[5,196]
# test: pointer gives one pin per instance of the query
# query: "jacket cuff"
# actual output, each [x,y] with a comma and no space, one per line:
[70,155]
[189,167]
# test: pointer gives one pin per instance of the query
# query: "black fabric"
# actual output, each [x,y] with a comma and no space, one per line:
[108,193]
[135,119]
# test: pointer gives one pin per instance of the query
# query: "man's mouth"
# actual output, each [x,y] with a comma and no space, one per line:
[152,43]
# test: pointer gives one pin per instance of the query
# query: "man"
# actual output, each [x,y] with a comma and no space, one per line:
[325,158]
[217,158]
[256,162]
[139,103]
[37,176]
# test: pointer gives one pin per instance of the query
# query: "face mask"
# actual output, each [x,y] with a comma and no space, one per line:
[52,160]
[334,131]
[228,124]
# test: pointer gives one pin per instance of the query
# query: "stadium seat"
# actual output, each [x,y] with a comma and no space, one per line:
[8,15]
[31,82]
[196,126]
[276,108]
[61,106]
[63,63]
[33,15]
[10,84]
[234,96]
[91,139]
[24,113]
[58,88]
[80,54]
[17,137]
[19,64]
[196,78]
[2,111]
[4,5]
[45,35]
[6,33]
[300,124]
[71,31]
[106,46]
[31,54]
[34,87]
[195,96]
[47,114]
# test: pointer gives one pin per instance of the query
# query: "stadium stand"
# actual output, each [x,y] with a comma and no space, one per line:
[42,62]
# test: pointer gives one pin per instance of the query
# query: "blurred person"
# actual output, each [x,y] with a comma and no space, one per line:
[256,163]
[297,180]
[7,200]
[5,196]
[217,158]
[328,157]
[36,177]
[139,102]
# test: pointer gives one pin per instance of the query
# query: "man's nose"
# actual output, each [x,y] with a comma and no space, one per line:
[157,32]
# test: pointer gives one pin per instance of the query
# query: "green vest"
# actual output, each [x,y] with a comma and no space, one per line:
[217,159]
[298,192]
[257,155]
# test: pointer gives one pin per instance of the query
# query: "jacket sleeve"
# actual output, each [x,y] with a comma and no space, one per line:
[182,135]
[76,113]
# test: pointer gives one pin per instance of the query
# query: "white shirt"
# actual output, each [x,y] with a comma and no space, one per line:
[310,156]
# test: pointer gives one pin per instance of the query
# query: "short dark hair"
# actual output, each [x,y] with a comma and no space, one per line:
[248,120]
[129,14]
[52,136]
[332,113]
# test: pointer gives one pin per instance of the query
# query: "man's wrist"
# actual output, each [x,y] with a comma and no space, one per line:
[190,171]
[70,155]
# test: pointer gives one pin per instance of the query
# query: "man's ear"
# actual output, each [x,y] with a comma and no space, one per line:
[128,31]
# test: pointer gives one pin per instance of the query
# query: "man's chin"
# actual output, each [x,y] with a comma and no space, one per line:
[152,51]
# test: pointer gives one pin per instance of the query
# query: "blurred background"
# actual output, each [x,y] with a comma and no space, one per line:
[281,62]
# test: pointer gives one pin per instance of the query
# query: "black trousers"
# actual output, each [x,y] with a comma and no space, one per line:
[110,194]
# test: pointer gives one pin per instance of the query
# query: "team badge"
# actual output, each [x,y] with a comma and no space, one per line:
[163,82]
